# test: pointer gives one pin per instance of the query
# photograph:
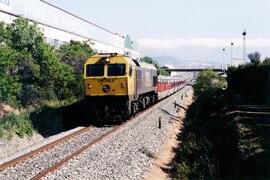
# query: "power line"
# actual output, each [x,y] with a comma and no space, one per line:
[111,32]
[60,29]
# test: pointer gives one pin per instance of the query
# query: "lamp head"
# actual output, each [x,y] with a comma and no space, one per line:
[244,33]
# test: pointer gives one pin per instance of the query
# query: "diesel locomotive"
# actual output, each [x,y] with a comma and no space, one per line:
[115,83]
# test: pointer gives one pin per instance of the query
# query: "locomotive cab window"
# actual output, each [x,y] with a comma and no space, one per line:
[116,69]
[95,70]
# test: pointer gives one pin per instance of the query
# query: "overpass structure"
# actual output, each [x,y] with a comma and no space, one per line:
[195,69]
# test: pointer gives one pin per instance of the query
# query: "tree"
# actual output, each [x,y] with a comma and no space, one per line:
[206,80]
[37,72]
[160,70]
[75,54]
[9,81]
[254,57]
[266,60]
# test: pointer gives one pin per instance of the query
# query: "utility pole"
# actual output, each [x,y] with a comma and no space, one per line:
[244,46]
[231,53]
[223,57]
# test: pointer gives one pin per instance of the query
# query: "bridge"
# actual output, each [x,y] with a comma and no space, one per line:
[195,70]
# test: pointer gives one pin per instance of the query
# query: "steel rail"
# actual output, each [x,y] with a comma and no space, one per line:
[30,154]
[95,141]
[78,152]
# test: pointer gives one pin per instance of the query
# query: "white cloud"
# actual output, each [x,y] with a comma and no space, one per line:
[173,43]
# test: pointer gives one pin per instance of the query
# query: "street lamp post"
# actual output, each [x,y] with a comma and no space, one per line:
[244,46]
[231,53]
[223,57]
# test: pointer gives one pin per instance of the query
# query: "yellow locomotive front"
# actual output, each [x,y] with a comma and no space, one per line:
[109,81]
[109,75]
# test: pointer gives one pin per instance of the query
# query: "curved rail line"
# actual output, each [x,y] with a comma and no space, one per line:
[95,141]
[65,138]
[79,151]
[46,147]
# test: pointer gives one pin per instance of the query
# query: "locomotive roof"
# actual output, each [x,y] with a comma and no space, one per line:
[146,65]
[128,59]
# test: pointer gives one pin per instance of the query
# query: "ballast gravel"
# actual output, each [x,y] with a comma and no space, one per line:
[34,146]
[129,152]
[33,166]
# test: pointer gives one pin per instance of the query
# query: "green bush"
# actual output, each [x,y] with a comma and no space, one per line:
[252,81]
[15,124]
[208,80]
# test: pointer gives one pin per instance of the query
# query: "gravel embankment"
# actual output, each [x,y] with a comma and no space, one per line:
[42,161]
[7,148]
[129,152]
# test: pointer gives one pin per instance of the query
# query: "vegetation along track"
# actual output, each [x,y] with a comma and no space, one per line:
[49,158]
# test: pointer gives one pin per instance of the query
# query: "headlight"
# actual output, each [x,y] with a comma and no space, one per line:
[106,88]
[89,86]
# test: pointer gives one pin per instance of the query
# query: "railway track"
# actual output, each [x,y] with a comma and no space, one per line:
[47,158]
[9,166]
[76,153]
[30,154]
[52,156]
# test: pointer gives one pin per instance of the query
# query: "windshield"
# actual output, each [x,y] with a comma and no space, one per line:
[95,70]
[116,69]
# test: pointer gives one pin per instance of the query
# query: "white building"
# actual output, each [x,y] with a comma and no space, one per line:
[59,26]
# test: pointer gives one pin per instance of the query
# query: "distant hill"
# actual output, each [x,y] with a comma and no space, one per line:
[167,60]
[174,61]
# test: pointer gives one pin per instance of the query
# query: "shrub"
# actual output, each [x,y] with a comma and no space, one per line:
[252,81]
[208,80]
[15,124]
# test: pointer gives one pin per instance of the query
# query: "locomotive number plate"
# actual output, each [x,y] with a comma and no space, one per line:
[105,80]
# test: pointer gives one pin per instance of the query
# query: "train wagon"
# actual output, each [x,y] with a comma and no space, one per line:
[167,85]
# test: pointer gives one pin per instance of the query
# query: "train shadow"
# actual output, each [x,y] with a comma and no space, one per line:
[74,115]
[49,121]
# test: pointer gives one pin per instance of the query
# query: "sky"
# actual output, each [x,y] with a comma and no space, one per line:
[191,30]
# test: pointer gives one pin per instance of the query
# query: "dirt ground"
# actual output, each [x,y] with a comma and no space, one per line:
[9,147]
[160,167]
[6,108]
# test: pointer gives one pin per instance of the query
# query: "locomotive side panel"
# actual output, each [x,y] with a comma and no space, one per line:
[146,79]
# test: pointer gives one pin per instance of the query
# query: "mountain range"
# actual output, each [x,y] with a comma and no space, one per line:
[176,62]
